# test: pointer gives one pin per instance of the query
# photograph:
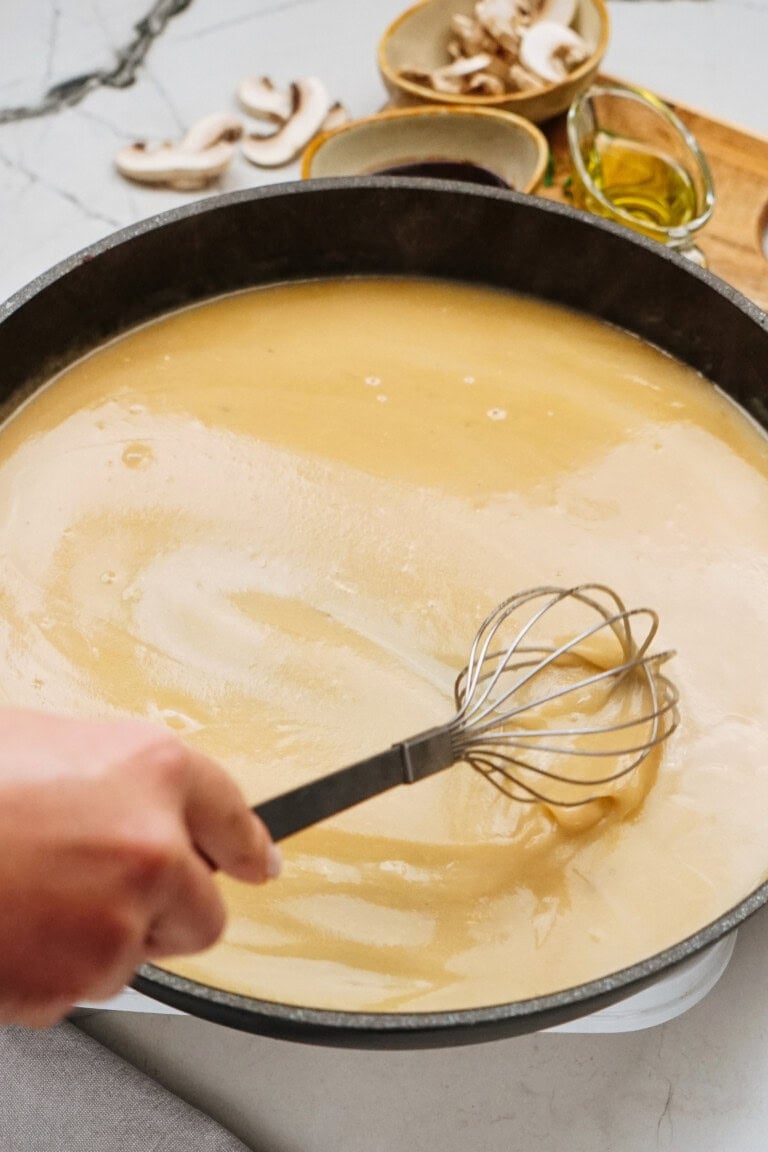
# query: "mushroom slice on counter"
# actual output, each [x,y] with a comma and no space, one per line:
[337,115]
[219,128]
[550,50]
[310,105]
[198,160]
[260,98]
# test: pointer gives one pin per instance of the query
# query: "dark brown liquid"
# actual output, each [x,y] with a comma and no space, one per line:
[446,170]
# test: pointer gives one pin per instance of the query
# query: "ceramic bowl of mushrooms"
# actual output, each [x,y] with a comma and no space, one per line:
[530,57]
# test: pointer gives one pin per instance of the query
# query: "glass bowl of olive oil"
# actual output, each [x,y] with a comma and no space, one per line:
[635,162]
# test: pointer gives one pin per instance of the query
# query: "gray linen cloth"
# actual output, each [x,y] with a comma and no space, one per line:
[61,1091]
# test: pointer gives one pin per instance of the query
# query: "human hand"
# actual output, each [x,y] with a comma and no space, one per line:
[108,835]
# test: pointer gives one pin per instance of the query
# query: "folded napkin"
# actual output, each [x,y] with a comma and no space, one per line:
[61,1091]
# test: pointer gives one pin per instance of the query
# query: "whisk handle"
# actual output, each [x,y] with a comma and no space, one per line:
[404,763]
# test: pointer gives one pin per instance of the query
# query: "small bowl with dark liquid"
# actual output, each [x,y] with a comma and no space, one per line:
[471,145]
[461,170]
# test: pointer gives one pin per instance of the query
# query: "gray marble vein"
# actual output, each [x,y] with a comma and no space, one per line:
[52,41]
[33,177]
[128,61]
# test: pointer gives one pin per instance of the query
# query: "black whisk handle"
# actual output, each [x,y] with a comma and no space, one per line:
[402,764]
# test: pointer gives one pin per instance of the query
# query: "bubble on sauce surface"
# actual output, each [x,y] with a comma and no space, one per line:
[497,413]
[132,594]
[137,455]
[173,719]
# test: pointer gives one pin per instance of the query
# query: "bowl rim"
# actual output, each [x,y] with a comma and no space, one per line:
[441,111]
[505,98]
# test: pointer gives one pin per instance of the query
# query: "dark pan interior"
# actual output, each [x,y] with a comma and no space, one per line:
[402,227]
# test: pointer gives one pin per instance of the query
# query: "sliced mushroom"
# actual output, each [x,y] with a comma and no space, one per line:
[261,99]
[337,115]
[486,51]
[466,66]
[448,85]
[549,50]
[451,78]
[200,158]
[558,11]
[502,20]
[220,128]
[309,107]
[496,13]
[523,80]
[471,35]
[486,84]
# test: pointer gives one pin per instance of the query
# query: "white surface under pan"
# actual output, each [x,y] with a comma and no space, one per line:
[669,997]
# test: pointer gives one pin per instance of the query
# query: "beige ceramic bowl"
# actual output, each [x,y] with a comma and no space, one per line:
[418,38]
[504,144]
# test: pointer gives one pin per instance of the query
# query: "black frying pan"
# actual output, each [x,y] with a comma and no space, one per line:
[401,227]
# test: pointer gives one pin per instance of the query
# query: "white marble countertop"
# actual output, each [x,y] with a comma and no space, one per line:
[696,1083]
[58,188]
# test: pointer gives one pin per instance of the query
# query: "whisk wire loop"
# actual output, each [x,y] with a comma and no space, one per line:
[618,622]
[495,700]
[606,674]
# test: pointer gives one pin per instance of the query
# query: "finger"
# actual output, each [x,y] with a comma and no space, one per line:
[222,826]
[191,914]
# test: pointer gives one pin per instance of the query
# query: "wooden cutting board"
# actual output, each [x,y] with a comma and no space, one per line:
[732,241]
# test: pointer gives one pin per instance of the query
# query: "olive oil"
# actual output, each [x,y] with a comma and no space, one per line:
[652,188]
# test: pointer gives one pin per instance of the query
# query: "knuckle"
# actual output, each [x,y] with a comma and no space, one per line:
[115,933]
[148,861]
[159,759]
[166,760]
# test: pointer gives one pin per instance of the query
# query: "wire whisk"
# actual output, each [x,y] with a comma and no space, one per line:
[552,654]
[561,699]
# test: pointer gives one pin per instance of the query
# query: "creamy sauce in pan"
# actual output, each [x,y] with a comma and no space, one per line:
[274,523]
